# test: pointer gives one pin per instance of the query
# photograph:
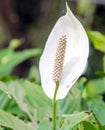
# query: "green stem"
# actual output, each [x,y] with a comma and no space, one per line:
[54,108]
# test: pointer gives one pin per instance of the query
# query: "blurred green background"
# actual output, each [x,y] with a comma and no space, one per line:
[30,22]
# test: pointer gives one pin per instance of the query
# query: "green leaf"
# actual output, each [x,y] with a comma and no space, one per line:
[95,86]
[73,100]
[103,128]
[1,128]
[9,59]
[98,40]
[13,122]
[104,64]
[29,97]
[14,43]
[34,74]
[71,103]
[69,121]
[98,107]
[4,88]
[89,126]
[44,125]
[7,103]
[17,92]
[100,73]
[13,108]
[36,98]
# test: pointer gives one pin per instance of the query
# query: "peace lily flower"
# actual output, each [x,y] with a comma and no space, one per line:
[64,57]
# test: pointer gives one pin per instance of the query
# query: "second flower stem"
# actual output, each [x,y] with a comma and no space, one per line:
[54,108]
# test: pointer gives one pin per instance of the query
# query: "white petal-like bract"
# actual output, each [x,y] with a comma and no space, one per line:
[76,55]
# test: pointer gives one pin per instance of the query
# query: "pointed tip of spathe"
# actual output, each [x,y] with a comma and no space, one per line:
[68,11]
[67,5]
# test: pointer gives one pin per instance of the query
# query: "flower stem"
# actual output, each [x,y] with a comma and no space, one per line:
[54,108]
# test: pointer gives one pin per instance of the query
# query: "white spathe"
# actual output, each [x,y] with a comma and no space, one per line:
[76,55]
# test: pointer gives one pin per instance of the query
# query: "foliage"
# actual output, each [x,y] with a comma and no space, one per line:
[98,40]
[10,59]
[24,106]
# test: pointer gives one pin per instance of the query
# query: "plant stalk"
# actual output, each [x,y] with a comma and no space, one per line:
[54,103]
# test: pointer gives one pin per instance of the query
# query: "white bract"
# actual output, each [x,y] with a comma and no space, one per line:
[67,30]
